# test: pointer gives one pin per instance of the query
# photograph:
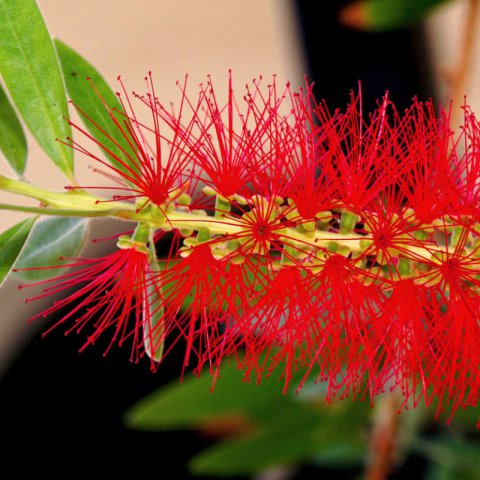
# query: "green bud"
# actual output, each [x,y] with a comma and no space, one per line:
[239,199]
[222,206]
[124,243]
[404,266]
[209,191]
[186,232]
[190,241]
[333,246]
[365,243]
[184,199]
[309,226]
[348,221]
[203,234]
[421,235]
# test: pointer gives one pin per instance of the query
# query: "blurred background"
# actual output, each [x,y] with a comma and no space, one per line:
[58,407]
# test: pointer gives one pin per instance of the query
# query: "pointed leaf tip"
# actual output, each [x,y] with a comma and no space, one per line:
[31,72]
[11,244]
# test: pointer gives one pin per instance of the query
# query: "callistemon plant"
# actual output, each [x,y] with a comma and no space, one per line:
[342,243]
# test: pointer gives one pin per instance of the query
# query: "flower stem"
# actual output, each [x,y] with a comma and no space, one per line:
[81,203]
[384,437]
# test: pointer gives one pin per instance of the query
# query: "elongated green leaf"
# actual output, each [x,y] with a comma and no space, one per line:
[255,453]
[379,15]
[11,244]
[30,68]
[53,241]
[172,406]
[100,104]
[12,139]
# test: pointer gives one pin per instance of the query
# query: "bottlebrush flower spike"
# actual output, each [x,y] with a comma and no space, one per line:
[337,243]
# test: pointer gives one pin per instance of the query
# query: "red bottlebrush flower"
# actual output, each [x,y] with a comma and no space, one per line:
[455,378]
[279,324]
[404,355]
[110,299]
[466,168]
[356,155]
[234,143]
[453,279]
[347,336]
[199,295]
[154,165]
[427,151]
[310,188]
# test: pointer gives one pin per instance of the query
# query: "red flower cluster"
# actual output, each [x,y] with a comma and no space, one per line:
[339,243]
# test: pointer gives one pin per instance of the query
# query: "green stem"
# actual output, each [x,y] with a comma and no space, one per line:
[51,211]
[141,233]
[81,203]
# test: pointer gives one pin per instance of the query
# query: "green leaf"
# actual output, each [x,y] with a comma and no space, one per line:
[443,472]
[12,139]
[31,72]
[11,244]
[101,105]
[454,453]
[172,407]
[53,241]
[382,15]
[248,455]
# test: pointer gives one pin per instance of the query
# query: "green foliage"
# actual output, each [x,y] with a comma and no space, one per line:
[11,244]
[31,72]
[101,105]
[12,139]
[53,241]
[381,15]
[455,456]
[276,429]
[254,453]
